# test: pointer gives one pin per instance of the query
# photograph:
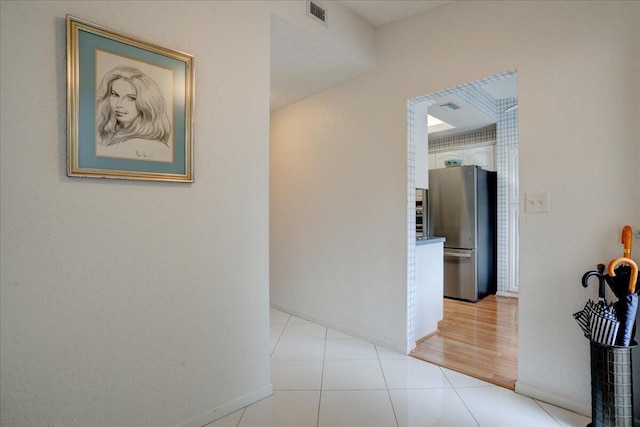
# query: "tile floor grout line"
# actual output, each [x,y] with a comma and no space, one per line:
[455,390]
[324,356]
[360,389]
[241,415]
[384,378]
[548,413]
[279,336]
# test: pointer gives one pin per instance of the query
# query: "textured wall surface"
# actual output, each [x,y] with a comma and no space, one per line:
[134,303]
[339,172]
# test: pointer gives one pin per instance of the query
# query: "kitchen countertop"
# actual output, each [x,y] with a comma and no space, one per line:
[429,240]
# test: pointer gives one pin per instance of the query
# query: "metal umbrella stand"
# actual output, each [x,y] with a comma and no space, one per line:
[611,386]
[611,372]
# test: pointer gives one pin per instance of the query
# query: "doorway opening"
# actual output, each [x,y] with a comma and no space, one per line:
[488,138]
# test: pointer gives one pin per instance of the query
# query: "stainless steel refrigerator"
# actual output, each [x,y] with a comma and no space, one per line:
[462,205]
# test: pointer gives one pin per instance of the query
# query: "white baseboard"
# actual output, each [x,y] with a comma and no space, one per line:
[507,294]
[374,340]
[227,408]
[579,407]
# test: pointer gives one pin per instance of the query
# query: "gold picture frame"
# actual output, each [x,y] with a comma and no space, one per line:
[129,107]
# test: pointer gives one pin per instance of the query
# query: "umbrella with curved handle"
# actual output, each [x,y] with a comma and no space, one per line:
[598,320]
[627,241]
[623,280]
[633,276]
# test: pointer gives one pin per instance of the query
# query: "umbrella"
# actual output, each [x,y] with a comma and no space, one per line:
[627,240]
[598,320]
[622,273]
[622,281]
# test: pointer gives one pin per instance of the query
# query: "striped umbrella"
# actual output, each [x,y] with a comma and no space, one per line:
[598,320]
[604,324]
[583,317]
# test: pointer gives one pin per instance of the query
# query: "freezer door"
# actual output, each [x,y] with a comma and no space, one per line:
[460,274]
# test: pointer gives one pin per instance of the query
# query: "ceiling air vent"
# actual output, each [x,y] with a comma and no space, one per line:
[450,106]
[317,12]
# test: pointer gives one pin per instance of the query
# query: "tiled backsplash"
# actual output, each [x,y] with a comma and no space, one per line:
[453,141]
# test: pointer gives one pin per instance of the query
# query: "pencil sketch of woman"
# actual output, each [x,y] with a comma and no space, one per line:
[131,118]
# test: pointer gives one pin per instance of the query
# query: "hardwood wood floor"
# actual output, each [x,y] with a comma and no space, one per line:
[478,339]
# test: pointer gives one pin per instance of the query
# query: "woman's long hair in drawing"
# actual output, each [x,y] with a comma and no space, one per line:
[152,122]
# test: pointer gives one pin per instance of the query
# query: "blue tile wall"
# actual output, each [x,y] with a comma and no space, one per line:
[507,137]
[411,226]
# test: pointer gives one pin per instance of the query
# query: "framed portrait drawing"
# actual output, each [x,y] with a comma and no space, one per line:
[129,107]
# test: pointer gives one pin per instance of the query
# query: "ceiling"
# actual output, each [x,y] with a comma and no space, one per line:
[379,12]
[467,117]
[303,65]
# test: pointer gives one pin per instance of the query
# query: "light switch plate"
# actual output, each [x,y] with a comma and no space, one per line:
[536,202]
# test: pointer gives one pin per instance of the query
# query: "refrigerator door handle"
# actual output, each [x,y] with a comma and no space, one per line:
[457,255]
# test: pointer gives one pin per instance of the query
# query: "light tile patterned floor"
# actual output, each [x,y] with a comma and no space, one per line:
[324,378]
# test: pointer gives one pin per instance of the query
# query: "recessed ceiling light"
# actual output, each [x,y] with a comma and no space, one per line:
[436,125]
[432,121]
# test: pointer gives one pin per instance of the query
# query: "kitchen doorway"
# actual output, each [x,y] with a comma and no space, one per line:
[489,139]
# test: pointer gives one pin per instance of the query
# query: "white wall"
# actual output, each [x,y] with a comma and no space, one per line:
[134,303]
[338,211]
[338,172]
